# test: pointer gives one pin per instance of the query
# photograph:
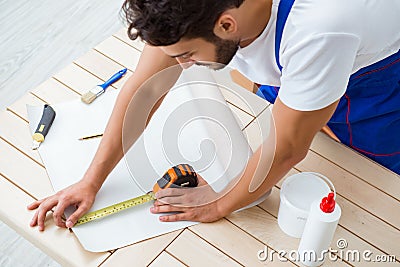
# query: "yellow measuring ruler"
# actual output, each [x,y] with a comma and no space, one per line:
[182,175]
[101,213]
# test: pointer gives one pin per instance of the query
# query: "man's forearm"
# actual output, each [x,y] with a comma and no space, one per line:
[241,193]
[110,150]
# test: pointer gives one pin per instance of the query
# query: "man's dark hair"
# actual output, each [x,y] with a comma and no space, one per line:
[165,22]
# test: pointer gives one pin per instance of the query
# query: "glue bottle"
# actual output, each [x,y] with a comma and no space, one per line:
[319,230]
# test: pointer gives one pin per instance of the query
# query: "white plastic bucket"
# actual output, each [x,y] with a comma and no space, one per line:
[297,193]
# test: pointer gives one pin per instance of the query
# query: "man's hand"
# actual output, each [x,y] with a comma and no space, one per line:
[80,194]
[198,204]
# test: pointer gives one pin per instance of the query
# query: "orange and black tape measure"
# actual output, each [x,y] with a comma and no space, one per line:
[182,175]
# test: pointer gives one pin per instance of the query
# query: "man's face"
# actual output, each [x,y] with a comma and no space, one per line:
[201,52]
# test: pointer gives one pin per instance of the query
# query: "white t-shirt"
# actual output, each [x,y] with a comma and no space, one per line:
[323,43]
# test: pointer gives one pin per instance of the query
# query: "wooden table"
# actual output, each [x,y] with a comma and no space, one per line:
[368,193]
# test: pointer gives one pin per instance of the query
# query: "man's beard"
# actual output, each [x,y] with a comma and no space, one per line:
[225,50]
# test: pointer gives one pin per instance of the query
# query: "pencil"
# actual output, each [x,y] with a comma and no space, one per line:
[90,136]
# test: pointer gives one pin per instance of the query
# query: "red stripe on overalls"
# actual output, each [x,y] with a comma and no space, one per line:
[377,70]
[350,131]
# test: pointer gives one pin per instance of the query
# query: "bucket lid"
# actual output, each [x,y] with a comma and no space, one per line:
[301,189]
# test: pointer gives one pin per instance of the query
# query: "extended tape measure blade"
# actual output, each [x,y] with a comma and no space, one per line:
[104,212]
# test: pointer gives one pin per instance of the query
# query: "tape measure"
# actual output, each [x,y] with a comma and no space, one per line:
[182,175]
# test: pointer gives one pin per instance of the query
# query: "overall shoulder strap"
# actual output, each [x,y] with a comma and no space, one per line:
[283,12]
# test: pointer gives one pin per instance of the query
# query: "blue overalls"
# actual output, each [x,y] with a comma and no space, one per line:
[367,118]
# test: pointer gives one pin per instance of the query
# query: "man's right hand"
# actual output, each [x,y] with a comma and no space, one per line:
[81,195]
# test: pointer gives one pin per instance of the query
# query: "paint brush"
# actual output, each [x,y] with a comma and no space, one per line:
[90,96]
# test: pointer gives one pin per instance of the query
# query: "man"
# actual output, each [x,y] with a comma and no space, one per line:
[334,62]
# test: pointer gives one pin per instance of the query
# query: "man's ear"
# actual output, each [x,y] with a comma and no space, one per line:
[226,26]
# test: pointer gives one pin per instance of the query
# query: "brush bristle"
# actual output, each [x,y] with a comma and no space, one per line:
[89,97]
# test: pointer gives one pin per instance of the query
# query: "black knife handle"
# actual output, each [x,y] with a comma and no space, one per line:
[46,121]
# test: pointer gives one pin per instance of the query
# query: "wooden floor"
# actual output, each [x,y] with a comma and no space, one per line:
[368,193]
[30,32]
[17,252]
[40,38]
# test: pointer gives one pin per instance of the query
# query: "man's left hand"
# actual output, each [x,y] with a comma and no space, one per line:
[199,204]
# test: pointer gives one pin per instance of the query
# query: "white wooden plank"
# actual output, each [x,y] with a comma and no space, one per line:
[54,92]
[16,132]
[239,96]
[123,36]
[242,118]
[31,176]
[19,106]
[359,165]
[235,242]
[102,67]
[254,130]
[120,52]
[142,253]
[166,260]
[194,251]
[370,228]
[77,79]
[59,243]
